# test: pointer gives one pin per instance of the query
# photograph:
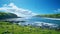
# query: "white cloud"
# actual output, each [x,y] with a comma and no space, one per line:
[18,11]
[57,11]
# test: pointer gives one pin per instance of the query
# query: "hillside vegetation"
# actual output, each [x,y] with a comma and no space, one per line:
[50,15]
[4,15]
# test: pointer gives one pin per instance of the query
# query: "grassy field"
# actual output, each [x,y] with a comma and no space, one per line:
[9,28]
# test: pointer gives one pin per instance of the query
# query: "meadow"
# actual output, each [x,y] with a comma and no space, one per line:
[10,28]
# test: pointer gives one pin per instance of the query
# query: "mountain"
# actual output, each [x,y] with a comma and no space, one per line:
[4,15]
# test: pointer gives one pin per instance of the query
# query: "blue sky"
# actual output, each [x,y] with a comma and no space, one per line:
[36,6]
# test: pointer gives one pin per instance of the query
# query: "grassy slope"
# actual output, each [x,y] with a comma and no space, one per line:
[16,29]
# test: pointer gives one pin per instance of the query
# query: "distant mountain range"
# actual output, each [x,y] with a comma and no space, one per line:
[4,15]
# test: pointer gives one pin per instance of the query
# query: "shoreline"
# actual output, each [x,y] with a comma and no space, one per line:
[52,18]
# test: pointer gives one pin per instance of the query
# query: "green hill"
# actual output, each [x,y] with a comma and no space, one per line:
[4,15]
[50,15]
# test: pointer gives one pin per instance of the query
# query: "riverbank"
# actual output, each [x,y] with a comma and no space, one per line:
[9,28]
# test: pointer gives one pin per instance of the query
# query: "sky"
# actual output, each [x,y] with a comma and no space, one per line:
[36,6]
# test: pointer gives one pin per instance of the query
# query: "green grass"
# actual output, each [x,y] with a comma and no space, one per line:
[17,29]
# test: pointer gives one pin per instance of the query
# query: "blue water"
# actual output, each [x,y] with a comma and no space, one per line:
[35,19]
[40,19]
